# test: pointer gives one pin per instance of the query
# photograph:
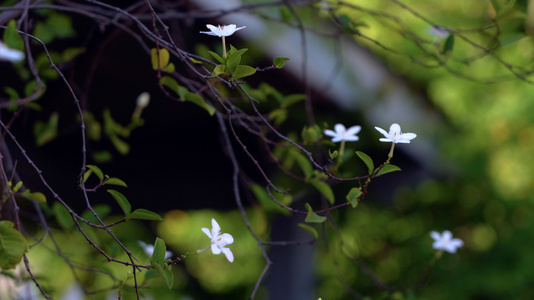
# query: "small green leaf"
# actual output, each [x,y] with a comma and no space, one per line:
[243,71]
[164,57]
[233,61]
[221,60]
[115,181]
[169,68]
[62,215]
[158,256]
[367,160]
[46,132]
[267,203]
[279,62]
[333,154]
[11,36]
[13,245]
[97,172]
[123,202]
[324,188]
[292,99]
[279,115]
[200,102]
[312,217]
[309,229]
[35,196]
[303,162]
[158,259]
[195,61]
[387,169]
[353,195]
[143,214]
[220,70]
[449,44]
[121,146]
[174,86]
[17,186]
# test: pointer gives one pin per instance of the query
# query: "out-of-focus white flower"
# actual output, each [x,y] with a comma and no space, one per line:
[143,100]
[218,240]
[343,134]
[445,241]
[220,31]
[9,54]
[149,249]
[395,135]
[439,33]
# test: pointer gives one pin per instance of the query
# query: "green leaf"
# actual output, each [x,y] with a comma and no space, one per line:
[220,70]
[121,146]
[353,195]
[279,62]
[158,259]
[333,154]
[169,68]
[17,186]
[56,26]
[309,229]
[233,60]
[303,162]
[309,134]
[13,245]
[158,256]
[164,57]
[279,115]
[115,181]
[449,44]
[174,86]
[218,57]
[11,36]
[243,71]
[324,188]
[367,160]
[62,215]
[35,196]
[143,214]
[387,169]
[123,202]
[312,217]
[267,203]
[97,172]
[46,132]
[200,102]
[292,99]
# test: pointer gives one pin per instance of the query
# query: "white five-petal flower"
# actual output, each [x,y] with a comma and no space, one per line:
[395,135]
[218,240]
[149,249]
[9,54]
[220,31]
[445,241]
[343,134]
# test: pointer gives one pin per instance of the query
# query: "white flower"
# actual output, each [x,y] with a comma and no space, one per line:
[445,241]
[395,135]
[10,54]
[343,134]
[220,31]
[149,249]
[143,100]
[218,241]
[439,32]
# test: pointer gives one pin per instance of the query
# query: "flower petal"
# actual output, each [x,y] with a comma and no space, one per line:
[330,133]
[227,238]
[394,128]
[353,130]
[435,235]
[382,131]
[207,232]
[215,249]
[229,255]
[339,128]
[215,228]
